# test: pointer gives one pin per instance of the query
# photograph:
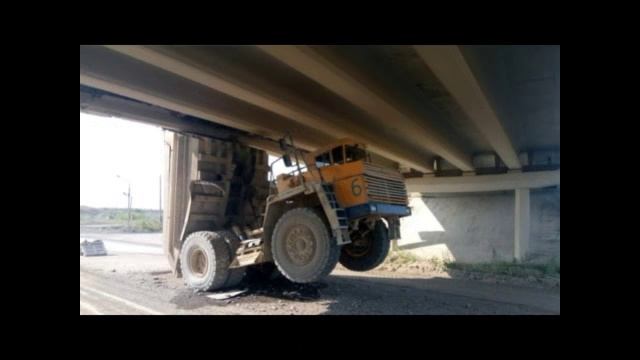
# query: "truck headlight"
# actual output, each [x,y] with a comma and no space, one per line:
[373,208]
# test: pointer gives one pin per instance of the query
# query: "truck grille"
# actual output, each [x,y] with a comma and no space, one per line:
[384,185]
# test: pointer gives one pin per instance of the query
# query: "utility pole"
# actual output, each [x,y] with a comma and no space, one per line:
[129,207]
[129,201]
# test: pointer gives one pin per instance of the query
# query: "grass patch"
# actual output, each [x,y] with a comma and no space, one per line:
[401,258]
[142,220]
[524,270]
[407,261]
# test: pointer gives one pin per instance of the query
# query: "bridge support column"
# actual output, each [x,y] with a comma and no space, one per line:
[522,224]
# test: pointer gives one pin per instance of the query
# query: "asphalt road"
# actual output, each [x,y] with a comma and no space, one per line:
[135,279]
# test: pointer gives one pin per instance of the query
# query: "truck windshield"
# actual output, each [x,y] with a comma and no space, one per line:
[323,160]
[355,153]
[336,154]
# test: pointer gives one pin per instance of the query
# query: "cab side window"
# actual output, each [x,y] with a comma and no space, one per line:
[323,160]
[354,153]
[337,155]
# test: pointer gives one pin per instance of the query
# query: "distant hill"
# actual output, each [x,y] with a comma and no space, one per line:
[115,219]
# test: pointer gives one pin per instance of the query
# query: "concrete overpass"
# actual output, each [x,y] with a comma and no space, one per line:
[454,119]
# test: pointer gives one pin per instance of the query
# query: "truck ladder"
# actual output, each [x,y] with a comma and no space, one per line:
[337,215]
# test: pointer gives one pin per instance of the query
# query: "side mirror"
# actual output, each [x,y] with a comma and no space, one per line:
[287,160]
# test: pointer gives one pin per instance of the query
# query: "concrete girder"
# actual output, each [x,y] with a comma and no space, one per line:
[332,76]
[270,146]
[481,183]
[450,67]
[249,93]
[110,71]
[109,105]
[123,90]
[206,114]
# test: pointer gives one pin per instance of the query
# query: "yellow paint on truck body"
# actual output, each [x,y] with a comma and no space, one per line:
[348,183]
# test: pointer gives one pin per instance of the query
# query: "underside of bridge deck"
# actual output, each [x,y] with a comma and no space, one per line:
[458,107]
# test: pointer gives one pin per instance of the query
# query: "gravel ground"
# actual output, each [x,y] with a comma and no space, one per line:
[129,281]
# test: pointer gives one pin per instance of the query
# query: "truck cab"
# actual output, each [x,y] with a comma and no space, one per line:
[361,187]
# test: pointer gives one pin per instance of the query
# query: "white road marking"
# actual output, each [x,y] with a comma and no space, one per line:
[124,301]
[90,307]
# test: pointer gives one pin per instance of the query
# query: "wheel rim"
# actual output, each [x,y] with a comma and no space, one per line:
[198,262]
[300,245]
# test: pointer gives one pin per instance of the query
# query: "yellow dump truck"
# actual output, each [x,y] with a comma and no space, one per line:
[334,206]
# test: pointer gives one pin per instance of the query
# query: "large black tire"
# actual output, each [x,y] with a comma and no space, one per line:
[367,253]
[204,260]
[302,247]
[236,275]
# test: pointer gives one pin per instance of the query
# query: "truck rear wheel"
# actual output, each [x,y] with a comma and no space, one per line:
[236,275]
[302,247]
[368,251]
[204,261]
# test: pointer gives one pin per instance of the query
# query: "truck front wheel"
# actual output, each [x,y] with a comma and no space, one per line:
[302,247]
[368,250]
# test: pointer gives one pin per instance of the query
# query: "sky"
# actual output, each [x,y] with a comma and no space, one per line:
[111,146]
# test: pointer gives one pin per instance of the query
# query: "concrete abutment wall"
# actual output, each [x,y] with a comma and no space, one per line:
[481,227]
